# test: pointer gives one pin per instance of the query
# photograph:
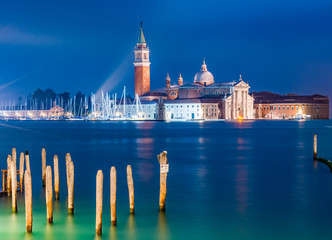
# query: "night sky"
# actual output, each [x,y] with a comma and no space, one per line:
[279,46]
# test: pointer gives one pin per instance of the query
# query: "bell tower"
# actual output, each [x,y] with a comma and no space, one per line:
[142,65]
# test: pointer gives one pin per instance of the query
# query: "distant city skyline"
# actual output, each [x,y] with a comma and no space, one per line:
[279,46]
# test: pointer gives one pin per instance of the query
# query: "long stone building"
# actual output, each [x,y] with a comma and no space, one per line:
[275,106]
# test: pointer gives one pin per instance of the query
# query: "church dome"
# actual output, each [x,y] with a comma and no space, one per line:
[204,76]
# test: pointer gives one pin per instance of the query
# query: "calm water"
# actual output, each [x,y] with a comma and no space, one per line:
[227,180]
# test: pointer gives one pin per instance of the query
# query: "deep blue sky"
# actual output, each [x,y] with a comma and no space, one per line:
[280,46]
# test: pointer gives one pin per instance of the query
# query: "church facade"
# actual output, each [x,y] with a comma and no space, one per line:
[201,99]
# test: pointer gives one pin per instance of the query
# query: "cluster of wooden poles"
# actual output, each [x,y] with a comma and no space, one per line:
[48,184]
[162,158]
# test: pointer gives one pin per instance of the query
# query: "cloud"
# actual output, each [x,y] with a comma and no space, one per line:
[12,35]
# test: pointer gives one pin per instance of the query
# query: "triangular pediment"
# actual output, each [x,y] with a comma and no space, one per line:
[241,84]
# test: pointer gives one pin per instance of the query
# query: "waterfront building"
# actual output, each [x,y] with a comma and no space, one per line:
[274,106]
[146,110]
[54,112]
[190,109]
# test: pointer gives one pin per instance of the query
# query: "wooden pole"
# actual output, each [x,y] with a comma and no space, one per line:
[68,160]
[315,147]
[130,182]
[14,156]
[113,196]
[56,176]
[99,201]
[162,158]
[43,154]
[9,174]
[49,194]
[14,187]
[71,188]
[28,200]
[27,161]
[21,171]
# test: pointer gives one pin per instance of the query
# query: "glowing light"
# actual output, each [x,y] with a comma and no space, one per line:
[117,76]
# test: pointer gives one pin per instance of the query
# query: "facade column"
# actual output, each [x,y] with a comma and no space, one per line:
[233,105]
[242,95]
[245,104]
[236,102]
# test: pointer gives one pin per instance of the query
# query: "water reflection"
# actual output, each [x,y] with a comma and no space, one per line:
[144,124]
[113,233]
[163,230]
[315,164]
[70,226]
[241,188]
[144,147]
[28,236]
[49,233]
[145,171]
[13,222]
[131,226]
[98,237]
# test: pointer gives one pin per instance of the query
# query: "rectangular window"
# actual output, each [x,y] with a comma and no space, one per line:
[283,108]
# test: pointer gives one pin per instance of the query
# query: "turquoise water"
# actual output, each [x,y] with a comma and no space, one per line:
[227,180]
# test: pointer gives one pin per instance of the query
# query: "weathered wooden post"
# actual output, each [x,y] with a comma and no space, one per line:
[27,161]
[14,187]
[315,147]
[14,156]
[68,160]
[43,155]
[28,200]
[113,195]
[9,174]
[56,176]
[162,158]
[130,182]
[71,188]
[49,194]
[21,171]
[99,201]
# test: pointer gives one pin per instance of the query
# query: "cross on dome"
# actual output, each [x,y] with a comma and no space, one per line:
[203,68]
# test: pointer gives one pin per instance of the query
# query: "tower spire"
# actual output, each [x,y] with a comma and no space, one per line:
[141,38]
[168,81]
[180,80]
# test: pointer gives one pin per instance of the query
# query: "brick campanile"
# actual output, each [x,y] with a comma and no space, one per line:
[142,65]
